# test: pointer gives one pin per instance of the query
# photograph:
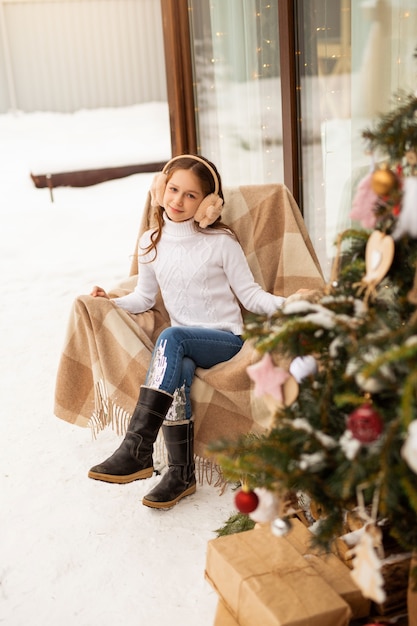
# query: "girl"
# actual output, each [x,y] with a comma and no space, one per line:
[200,268]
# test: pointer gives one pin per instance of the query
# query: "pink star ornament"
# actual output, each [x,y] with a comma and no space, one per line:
[272,381]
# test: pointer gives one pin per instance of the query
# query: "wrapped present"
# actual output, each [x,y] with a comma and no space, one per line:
[332,569]
[263,579]
[223,616]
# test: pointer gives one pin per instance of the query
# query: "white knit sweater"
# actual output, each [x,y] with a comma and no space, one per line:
[201,277]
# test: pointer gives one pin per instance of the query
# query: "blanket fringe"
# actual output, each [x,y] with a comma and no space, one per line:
[211,473]
[107,413]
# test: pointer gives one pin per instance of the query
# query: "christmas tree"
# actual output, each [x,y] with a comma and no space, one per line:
[343,435]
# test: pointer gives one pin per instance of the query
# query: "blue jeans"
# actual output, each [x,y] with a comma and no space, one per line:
[177,353]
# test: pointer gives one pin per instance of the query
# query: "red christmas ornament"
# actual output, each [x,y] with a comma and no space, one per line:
[246,501]
[365,424]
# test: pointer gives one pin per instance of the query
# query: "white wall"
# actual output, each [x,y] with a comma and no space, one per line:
[66,55]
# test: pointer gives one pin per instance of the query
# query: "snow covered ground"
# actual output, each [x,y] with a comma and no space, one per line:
[75,551]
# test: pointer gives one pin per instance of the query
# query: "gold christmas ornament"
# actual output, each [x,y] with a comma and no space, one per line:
[383,181]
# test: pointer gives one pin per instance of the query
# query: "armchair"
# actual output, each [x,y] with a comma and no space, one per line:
[107,350]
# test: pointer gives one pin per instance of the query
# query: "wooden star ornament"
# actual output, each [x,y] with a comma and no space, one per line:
[273,381]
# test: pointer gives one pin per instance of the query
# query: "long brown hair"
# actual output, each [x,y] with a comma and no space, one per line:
[208,185]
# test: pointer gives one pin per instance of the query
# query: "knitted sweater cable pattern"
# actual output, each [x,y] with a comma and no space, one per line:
[202,278]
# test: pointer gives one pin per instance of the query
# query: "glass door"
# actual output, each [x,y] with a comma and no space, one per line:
[355,57]
[352,58]
[237,92]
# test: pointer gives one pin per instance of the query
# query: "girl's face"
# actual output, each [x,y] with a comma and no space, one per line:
[183,195]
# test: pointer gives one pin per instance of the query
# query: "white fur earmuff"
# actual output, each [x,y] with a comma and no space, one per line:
[209,209]
[158,189]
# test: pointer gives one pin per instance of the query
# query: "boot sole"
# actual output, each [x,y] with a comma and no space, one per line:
[170,503]
[121,480]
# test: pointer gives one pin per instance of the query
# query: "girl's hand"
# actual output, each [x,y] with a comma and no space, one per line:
[98,292]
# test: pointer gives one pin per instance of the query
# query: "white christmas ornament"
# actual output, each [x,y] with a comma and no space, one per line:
[280,526]
[268,506]
[409,449]
[303,366]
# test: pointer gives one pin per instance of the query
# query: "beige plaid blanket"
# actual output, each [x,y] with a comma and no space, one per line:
[107,350]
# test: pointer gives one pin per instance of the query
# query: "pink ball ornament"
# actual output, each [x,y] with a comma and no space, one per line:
[365,424]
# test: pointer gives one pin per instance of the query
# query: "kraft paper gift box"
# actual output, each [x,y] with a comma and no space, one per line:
[332,569]
[263,579]
[223,616]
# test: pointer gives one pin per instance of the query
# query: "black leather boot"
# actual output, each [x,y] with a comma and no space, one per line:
[179,479]
[133,458]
